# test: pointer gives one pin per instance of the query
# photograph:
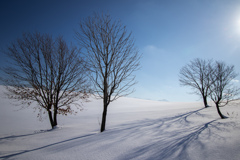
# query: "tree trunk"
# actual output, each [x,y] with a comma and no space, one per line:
[104,117]
[51,118]
[219,112]
[56,107]
[105,102]
[55,116]
[205,101]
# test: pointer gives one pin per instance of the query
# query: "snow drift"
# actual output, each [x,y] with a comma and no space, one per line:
[135,129]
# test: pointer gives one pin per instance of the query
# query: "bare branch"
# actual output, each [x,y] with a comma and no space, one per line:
[196,75]
[111,56]
[222,89]
[46,71]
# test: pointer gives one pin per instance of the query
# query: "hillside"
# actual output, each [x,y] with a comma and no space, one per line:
[136,129]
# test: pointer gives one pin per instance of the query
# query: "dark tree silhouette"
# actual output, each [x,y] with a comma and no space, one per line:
[111,56]
[222,90]
[196,74]
[45,71]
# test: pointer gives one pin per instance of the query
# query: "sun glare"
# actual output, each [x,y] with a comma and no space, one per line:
[238,25]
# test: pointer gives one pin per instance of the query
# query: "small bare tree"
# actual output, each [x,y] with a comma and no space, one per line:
[45,71]
[111,56]
[222,90]
[196,74]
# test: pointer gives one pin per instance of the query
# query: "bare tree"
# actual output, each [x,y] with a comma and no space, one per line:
[45,71]
[111,56]
[222,90]
[196,74]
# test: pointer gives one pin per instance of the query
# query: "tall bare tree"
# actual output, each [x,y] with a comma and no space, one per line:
[111,56]
[45,71]
[222,90]
[196,74]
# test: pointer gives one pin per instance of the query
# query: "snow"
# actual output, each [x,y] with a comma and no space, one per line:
[136,129]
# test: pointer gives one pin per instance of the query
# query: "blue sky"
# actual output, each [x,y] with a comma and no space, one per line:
[169,33]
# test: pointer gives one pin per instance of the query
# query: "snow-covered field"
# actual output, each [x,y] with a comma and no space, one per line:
[136,129]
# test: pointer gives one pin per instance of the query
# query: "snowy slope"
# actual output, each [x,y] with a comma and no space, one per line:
[136,129]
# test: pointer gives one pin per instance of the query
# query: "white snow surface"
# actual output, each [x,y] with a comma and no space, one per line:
[135,129]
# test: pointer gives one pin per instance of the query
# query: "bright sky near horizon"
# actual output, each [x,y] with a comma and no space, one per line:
[169,33]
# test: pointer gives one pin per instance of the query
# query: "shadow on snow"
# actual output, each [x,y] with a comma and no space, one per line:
[43,147]
[26,135]
[161,138]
